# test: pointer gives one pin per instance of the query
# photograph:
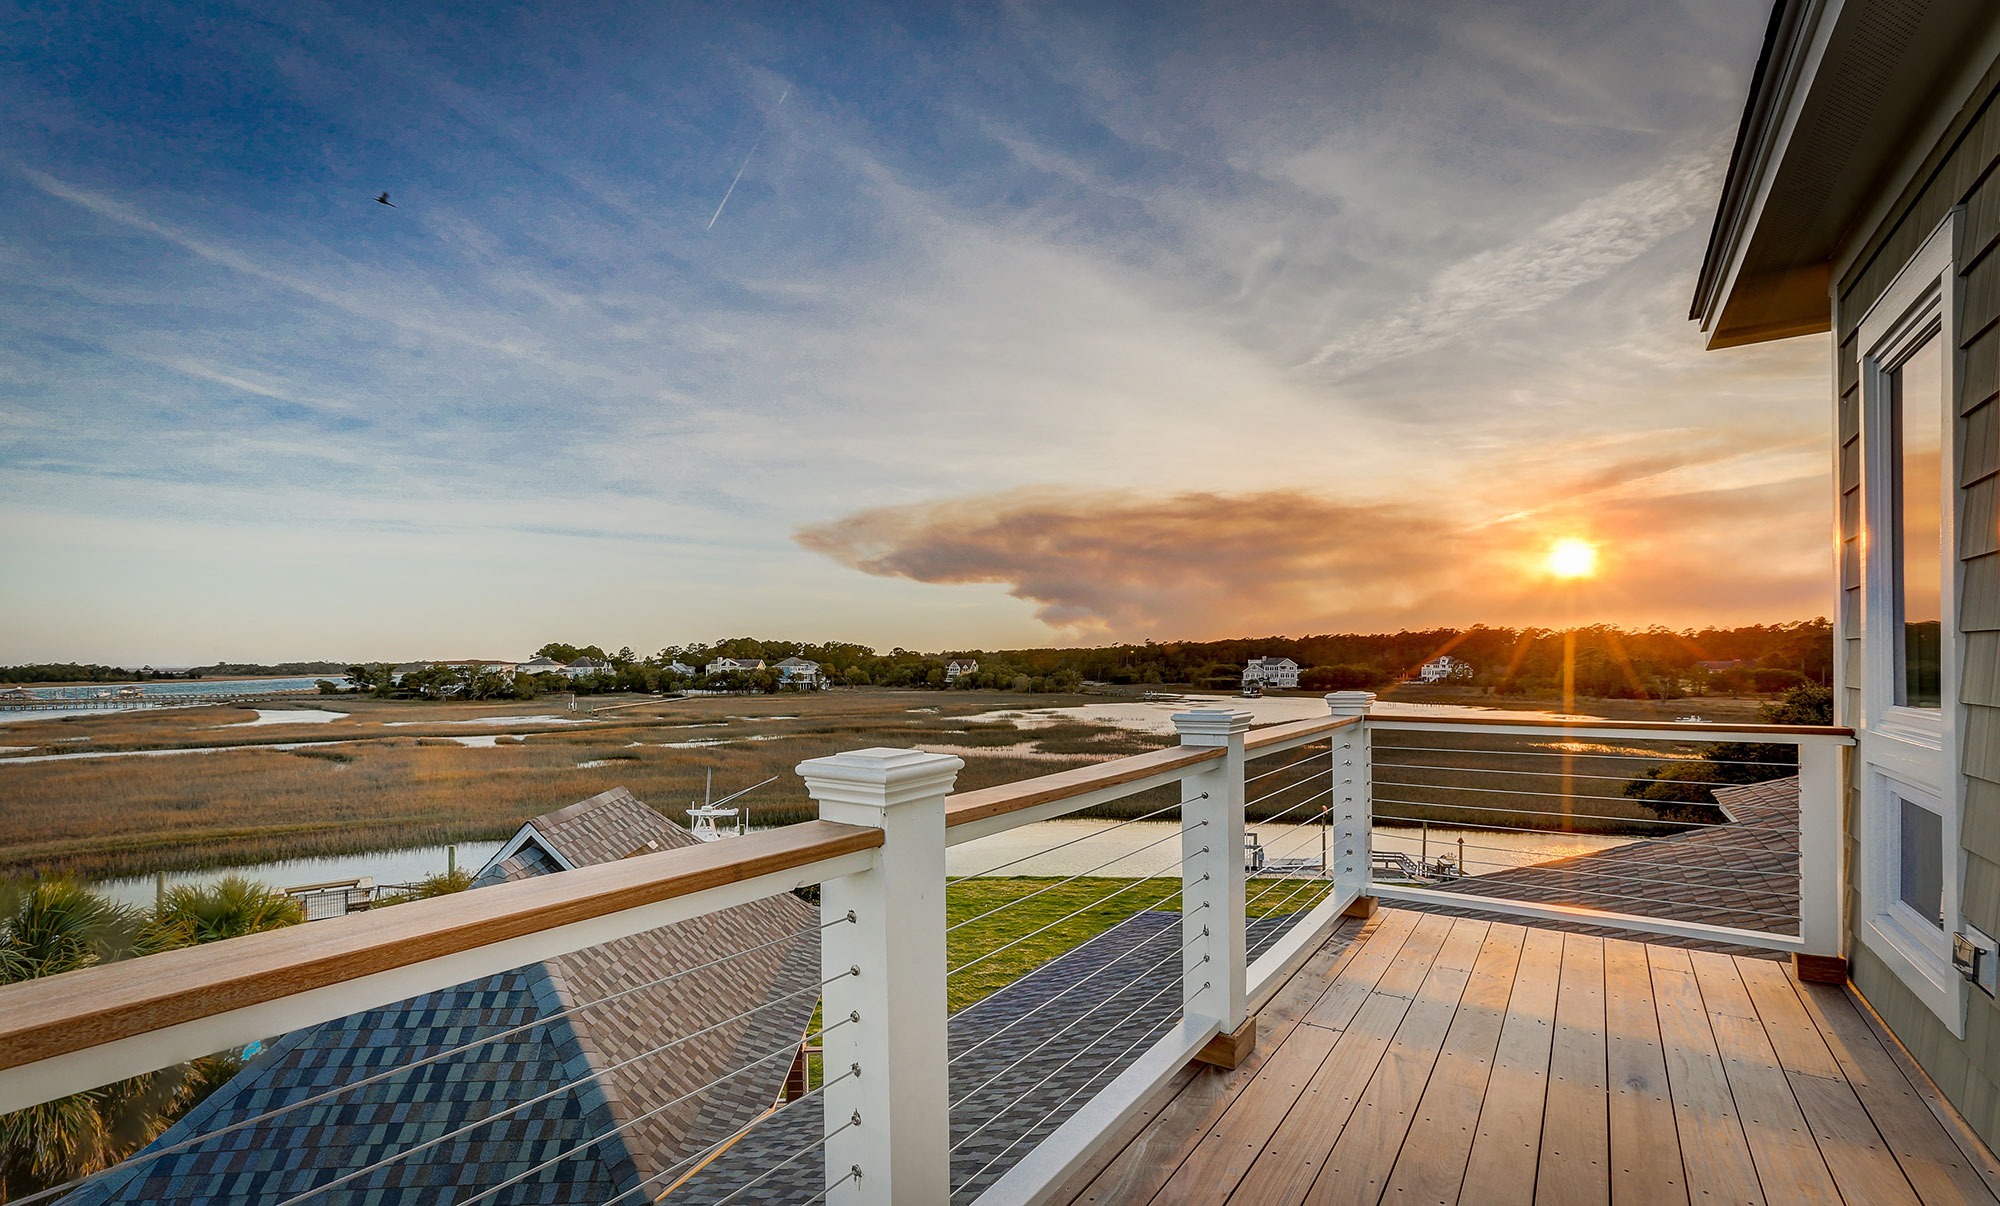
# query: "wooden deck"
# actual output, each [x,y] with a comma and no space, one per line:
[1429,1059]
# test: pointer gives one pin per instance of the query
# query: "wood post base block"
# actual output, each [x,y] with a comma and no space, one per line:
[1226,1051]
[1820,969]
[1363,906]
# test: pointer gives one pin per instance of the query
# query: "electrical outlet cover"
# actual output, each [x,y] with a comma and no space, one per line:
[1975,957]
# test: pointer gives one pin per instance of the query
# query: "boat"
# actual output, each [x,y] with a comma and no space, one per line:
[710,821]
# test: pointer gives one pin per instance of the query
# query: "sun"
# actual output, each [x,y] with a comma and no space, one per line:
[1571,558]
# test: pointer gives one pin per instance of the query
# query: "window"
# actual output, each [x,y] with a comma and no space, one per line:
[1916,426]
[1920,861]
[1907,735]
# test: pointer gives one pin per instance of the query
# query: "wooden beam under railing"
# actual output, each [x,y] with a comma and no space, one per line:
[109,1021]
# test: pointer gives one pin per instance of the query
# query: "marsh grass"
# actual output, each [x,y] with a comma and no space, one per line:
[385,788]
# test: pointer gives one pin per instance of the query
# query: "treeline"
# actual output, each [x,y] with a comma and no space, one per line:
[72,672]
[1604,661]
[1609,662]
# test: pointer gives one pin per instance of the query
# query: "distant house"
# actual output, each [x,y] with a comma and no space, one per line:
[801,673]
[1278,672]
[624,1110]
[734,665]
[1444,669]
[588,667]
[540,664]
[958,668]
[682,669]
[1717,667]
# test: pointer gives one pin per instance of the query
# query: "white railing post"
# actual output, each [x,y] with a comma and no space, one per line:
[902,1141]
[1213,980]
[1821,888]
[1352,801]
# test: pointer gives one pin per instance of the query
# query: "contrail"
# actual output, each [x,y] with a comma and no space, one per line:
[746,164]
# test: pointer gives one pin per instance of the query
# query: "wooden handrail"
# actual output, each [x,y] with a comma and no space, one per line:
[1312,726]
[1753,730]
[81,1009]
[1027,793]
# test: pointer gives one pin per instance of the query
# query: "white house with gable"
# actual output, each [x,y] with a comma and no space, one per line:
[1446,669]
[800,672]
[1278,672]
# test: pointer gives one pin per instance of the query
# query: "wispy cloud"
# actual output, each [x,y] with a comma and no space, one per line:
[1252,286]
[1575,248]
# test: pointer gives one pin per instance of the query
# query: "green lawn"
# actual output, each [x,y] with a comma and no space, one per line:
[1097,905]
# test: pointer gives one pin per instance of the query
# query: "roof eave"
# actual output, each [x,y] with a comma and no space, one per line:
[1746,161]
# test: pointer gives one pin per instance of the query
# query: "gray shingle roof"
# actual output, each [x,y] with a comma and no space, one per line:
[599,1068]
[1744,874]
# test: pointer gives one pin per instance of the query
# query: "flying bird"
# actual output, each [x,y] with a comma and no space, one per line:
[383,199]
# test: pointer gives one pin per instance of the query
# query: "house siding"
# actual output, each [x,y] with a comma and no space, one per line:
[1960,170]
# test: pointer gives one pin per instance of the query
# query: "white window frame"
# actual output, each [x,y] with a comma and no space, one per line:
[1905,751]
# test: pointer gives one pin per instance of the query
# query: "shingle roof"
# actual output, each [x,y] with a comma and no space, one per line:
[1744,874]
[1011,1084]
[600,1068]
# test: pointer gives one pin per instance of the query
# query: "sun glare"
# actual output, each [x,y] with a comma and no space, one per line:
[1572,558]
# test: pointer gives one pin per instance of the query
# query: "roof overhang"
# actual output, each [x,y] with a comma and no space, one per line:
[1845,93]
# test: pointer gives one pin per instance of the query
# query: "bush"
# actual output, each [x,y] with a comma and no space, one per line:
[444,883]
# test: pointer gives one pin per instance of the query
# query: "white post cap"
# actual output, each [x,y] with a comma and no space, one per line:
[1210,726]
[1350,703]
[880,777]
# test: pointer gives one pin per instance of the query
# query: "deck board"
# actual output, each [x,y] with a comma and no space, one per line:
[1221,1156]
[1715,1153]
[1789,1165]
[1137,1170]
[1645,1159]
[1357,1168]
[1290,1162]
[1576,1140]
[1445,1060]
[1430,1166]
[1855,1152]
[1936,1168]
[1501,1169]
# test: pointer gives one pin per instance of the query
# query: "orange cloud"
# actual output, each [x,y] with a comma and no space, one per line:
[1119,565]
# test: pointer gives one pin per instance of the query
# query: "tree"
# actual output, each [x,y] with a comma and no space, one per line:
[48,927]
[229,908]
[1674,786]
[1340,678]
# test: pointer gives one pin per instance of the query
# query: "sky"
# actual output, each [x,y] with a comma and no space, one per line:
[930,326]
